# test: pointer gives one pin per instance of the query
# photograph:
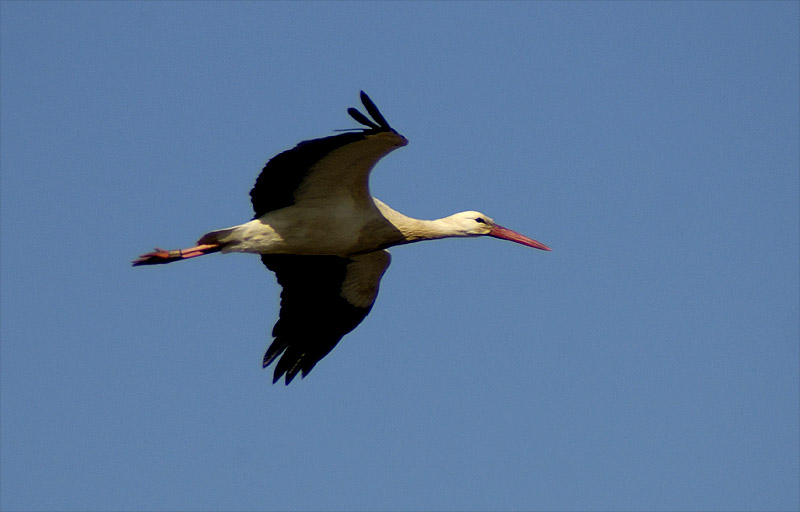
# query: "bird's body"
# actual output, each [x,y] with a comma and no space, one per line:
[319,229]
[347,230]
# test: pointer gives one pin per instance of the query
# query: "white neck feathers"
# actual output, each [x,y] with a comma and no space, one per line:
[414,230]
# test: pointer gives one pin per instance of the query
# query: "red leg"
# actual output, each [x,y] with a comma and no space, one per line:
[160,256]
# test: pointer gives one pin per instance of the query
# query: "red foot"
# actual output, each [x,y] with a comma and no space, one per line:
[157,257]
[162,256]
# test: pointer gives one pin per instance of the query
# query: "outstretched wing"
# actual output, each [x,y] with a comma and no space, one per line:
[323,298]
[324,169]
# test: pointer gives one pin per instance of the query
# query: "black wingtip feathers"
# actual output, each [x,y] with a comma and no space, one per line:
[373,111]
[377,123]
[361,118]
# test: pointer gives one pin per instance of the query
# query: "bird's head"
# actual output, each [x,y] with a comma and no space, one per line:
[477,224]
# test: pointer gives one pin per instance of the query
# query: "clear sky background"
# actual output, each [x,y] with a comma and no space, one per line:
[649,362]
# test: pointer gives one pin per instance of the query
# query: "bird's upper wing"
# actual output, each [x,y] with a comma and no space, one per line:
[328,168]
[323,298]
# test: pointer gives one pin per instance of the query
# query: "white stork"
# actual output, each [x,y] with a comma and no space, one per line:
[317,226]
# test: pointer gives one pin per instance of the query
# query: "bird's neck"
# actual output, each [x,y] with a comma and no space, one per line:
[416,230]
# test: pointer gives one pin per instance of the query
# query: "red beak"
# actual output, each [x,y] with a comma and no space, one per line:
[507,234]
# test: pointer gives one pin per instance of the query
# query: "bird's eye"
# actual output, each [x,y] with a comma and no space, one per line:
[480,220]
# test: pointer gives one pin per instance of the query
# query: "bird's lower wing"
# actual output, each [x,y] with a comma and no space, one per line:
[323,298]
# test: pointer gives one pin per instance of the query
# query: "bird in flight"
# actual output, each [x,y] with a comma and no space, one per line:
[317,226]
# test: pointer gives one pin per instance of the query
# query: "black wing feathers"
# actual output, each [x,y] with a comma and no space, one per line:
[361,118]
[374,112]
[283,174]
[314,316]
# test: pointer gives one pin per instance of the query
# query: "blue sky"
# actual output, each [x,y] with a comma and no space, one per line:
[649,362]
